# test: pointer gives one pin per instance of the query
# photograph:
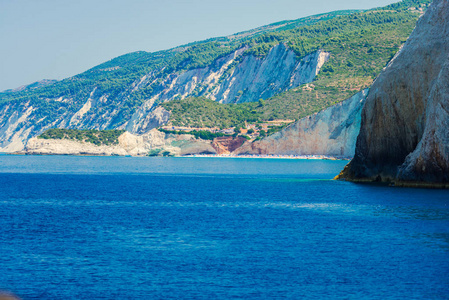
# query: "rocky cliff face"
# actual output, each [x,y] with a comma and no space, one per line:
[255,77]
[331,132]
[232,78]
[404,135]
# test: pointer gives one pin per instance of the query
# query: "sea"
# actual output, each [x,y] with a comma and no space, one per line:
[79,227]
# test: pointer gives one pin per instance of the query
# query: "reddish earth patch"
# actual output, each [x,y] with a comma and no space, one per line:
[227,144]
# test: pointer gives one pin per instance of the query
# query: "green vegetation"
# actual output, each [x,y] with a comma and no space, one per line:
[159,152]
[360,44]
[154,152]
[199,134]
[273,129]
[97,137]
[203,112]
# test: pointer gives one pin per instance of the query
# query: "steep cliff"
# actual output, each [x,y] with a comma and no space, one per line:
[404,137]
[255,77]
[331,132]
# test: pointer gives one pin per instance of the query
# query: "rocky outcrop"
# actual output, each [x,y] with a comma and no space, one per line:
[68,147]
[227,144]
[331,132]
[404,137]
[146,118]
[14,131]
[154,142]
[254,78]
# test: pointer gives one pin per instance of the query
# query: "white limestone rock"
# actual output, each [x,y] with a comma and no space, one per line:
[331,132]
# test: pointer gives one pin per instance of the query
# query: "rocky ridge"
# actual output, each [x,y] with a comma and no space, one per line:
[32,86]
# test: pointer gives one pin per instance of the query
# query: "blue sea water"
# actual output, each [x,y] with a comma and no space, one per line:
[211,228]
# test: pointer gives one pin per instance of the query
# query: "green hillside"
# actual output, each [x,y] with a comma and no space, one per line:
[203,112]
[97,137]
[113,75]
[360,43]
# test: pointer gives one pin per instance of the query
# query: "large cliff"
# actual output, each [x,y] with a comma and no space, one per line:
[404,137]
[331,132]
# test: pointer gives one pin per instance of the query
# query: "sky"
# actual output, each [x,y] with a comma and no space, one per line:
[56,39]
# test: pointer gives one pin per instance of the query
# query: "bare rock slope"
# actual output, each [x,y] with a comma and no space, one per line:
[153,141]
[404,137]
[331,132]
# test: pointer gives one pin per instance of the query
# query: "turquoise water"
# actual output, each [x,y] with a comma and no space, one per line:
[201,228]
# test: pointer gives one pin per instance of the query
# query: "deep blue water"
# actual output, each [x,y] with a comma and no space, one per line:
[189,228]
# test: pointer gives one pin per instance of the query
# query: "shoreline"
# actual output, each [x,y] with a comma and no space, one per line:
[259,156]
[271,156]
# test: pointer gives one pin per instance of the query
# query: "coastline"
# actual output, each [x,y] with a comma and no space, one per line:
[263,156]
[271,156]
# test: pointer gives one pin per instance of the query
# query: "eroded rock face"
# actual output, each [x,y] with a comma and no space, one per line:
[68,147]
[404,134]
[128,144]
[227,144]
[331,132]
[143,121]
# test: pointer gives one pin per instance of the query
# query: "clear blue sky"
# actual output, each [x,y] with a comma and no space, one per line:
[55,39]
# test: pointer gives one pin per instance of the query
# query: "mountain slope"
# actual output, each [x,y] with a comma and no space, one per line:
[124,93]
